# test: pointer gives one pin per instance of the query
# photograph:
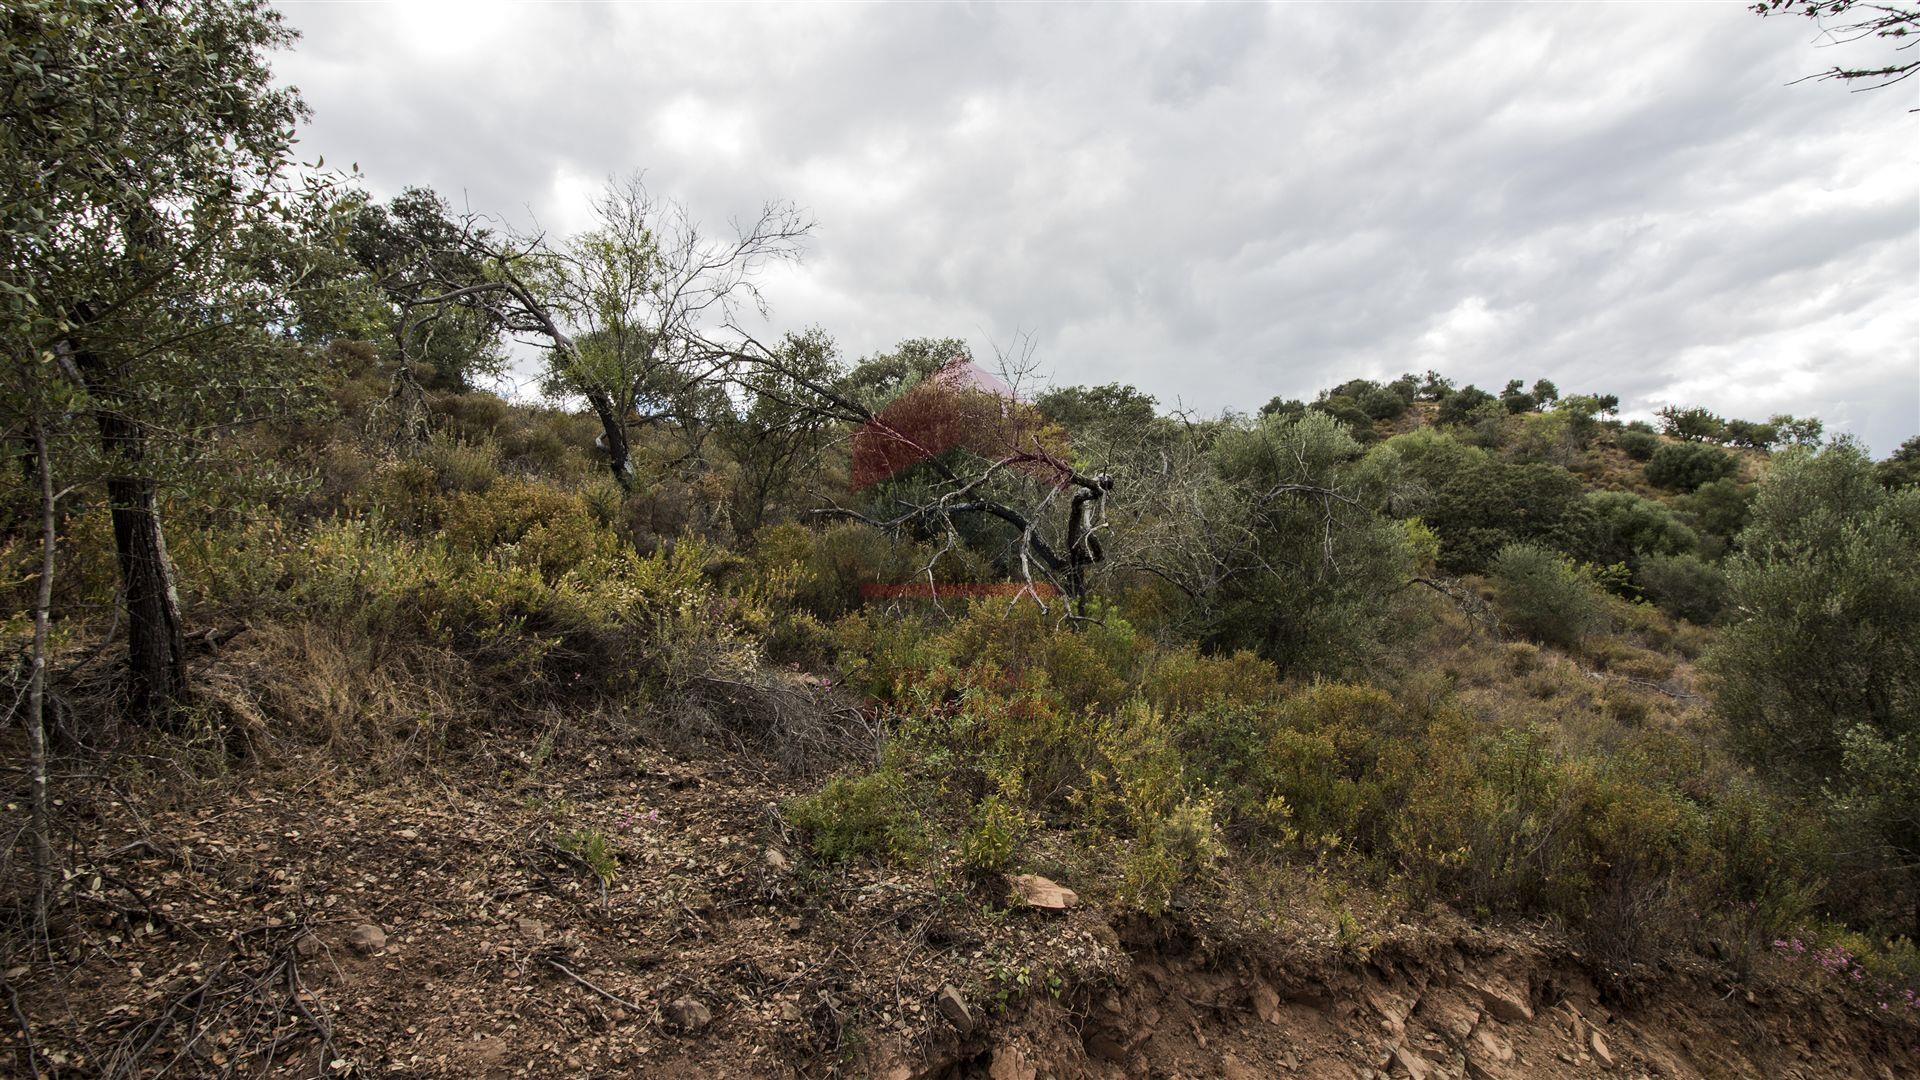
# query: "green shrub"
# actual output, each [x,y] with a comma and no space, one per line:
[1092,667]
[1351,415]
[1417,463]
[1029,737]
[532,524]
[1544,595]
[1544,437]
[848,555]
[1818,677]
[1169,850]
[867,817]
[1381,403]
[1463,405]
[1628,529]
[475,415]
[403,492]
[461,466]
[797,638]
[1480,819]
[1321,589]
[1684,586]
[1340,756]
[1686,466]
[1494,503]
[1766,871]
[993,837]
[549,443]
[1638,445]
[1719,507]
[567,610]
[1504,822]
[1186,680]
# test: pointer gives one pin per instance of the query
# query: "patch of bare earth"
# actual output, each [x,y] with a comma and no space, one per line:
[445,926]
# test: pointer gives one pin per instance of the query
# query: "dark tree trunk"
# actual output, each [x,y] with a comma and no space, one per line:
[1083,539]
[156,665]
[613,439]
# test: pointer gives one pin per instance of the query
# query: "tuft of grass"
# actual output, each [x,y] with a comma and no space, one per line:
[594,850]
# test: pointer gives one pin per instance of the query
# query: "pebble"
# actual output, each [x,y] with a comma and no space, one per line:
[367,938]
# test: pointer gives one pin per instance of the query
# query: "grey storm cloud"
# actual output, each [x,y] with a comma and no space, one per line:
[1219,204]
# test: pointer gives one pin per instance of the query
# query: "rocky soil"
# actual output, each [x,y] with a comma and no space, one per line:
[449,924]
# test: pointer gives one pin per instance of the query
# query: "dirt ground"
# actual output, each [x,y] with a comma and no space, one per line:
[449,924]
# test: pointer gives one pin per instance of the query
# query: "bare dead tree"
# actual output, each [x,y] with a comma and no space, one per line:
[1185,525]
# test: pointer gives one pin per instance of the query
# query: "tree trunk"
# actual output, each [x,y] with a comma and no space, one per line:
[613,439]
[1083,540]
[156,653]
[40,816]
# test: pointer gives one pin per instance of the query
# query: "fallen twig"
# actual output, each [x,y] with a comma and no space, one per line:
[583,981]
[27,1046]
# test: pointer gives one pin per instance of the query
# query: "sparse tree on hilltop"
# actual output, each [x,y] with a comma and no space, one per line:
[624,310]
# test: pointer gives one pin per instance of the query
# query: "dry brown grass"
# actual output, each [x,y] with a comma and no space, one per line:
[312,684]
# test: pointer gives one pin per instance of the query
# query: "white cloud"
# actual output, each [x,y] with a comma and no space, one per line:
[1218,203]
[1461,335]
[692,126]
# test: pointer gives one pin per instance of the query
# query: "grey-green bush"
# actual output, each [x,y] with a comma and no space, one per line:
[1686,466]
[1628,529]
[1638,445]
[1542,594]
[1819,678]
[1686,586]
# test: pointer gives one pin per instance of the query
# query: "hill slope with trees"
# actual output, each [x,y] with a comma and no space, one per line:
[367,722]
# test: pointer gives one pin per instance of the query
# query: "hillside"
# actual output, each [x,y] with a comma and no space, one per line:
[473,788]
[725,704]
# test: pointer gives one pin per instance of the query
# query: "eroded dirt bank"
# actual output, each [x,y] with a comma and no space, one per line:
[452,927]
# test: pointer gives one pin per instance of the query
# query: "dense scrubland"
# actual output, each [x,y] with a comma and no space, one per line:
[1408,651]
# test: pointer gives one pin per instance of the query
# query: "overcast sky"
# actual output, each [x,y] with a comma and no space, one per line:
[1217,203]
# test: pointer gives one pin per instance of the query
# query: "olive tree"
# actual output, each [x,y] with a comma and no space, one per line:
[1267,528]
[151,233]
[1818,673]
